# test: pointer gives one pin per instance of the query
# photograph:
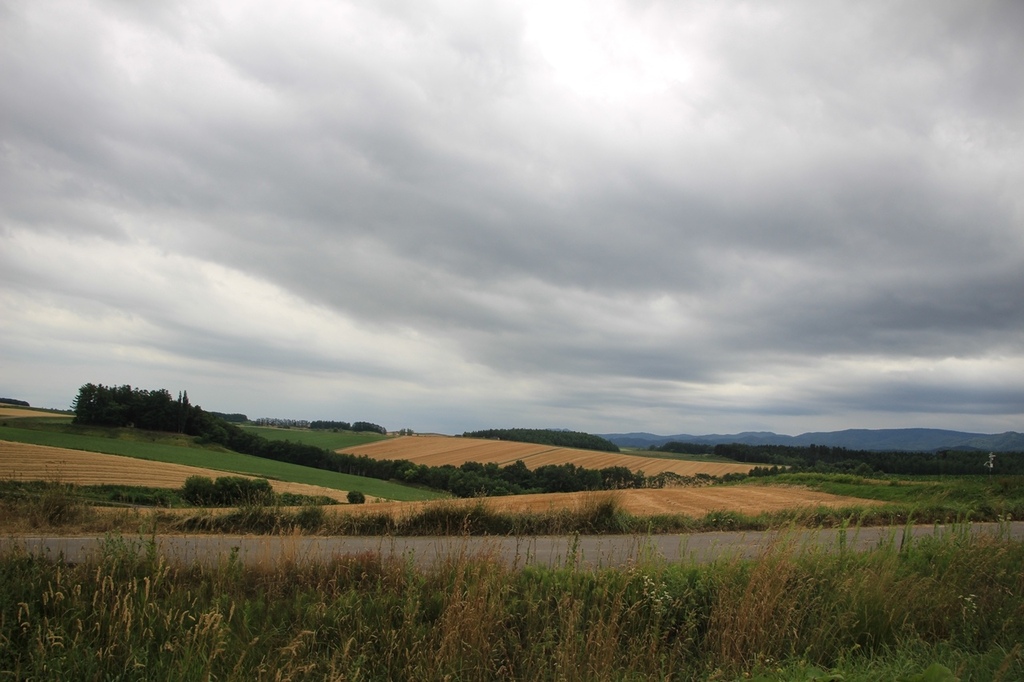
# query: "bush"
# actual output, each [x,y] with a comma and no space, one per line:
[356,497]
[227,491]
[310,518]
[238,490]
[200,491]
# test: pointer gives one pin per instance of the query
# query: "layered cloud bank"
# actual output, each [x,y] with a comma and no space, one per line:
[606,216]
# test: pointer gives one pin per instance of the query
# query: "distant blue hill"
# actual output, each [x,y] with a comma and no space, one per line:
[918,440]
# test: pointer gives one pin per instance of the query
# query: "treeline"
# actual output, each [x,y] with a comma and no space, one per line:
[826,459]
[684,448]
[119,406]
[13,401]
[321,425]
[234,417]
[563,439]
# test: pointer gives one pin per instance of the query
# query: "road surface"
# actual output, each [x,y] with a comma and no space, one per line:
[584,551]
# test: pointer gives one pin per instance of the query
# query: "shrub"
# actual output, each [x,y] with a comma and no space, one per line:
[227,491]
[310,518]
[200,491]
[355,497]
[236,490]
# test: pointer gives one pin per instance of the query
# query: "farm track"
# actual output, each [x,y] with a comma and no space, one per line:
[25,462]
[441,450]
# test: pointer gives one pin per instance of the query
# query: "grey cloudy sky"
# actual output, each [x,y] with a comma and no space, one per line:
[607,216]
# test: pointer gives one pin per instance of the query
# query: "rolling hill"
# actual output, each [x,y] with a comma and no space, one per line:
[917,440]
[456,450]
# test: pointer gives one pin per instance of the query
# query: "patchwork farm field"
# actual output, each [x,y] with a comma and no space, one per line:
[174,449]
[441,450]
[26,462]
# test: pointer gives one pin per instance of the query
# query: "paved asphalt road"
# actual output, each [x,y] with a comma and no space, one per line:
[587,551]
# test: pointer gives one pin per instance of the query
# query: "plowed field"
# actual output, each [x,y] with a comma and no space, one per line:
[689,501]
[440,450]
[20,461]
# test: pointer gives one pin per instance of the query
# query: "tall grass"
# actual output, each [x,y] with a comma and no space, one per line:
[955,601]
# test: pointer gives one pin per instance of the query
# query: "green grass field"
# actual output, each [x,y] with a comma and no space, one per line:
[908,489]
[329,440]
[178,449]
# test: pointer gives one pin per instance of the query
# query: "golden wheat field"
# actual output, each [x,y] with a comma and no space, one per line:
[688,501]
[6,411]
[441,450]
[20,461]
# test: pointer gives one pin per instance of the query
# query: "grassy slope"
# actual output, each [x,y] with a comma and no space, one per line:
[971,495]
[222,460]
[329,440]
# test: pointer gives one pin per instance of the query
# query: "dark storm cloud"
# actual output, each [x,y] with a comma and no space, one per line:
[805,186]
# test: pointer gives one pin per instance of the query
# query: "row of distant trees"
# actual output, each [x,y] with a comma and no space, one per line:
[368,427]
[563,439]
[14,401]
[826,459]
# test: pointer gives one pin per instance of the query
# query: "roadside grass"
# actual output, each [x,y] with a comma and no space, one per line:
[178,449]
[951,605]
[329,440]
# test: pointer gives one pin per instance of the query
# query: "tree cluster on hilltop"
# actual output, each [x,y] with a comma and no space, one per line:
[119,406]
[13,401]
[562,439]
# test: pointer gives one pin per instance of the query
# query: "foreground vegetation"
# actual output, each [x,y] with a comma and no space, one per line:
[938,609]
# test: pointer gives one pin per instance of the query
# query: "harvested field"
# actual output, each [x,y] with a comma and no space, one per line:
[441,450]
[7,411]
[23,462]
[694,502]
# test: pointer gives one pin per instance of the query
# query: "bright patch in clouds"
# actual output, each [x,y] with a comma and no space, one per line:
[598,50]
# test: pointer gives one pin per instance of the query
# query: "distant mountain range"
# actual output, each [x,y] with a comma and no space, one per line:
[917,440]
